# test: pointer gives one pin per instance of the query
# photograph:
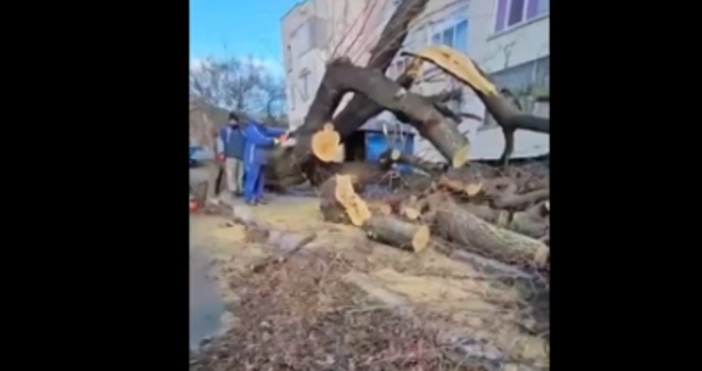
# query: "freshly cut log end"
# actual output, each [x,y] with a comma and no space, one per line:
[354,206]
[473,189]
[396,232]
[421,238]
[410,213]
[395,155]
[325,143]
[460,158]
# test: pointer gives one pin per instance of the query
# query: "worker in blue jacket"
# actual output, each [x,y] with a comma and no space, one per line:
[257,140]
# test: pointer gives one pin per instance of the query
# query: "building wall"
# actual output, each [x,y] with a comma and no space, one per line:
[314,32]
[506,53]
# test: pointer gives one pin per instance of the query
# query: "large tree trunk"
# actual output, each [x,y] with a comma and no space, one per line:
[374,93]
[360,108]
[341,77]
[290,166]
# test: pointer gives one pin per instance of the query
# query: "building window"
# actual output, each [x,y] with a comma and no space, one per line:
[301,40]
[512,13]
[292,99]
[305,84]
[288,58]
[454,36]
[525,81]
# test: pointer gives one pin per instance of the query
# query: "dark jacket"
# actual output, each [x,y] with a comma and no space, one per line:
[233,141]
[257,139]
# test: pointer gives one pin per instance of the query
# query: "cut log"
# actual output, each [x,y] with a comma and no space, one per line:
[412,207]
[396,156]
[396,232]
[326,143]
[340,203]
[498,217]
[342,76]
[533,222]
[509,200]
[433,203]
[381,209]
[470,189]
[474,234]
[361,173]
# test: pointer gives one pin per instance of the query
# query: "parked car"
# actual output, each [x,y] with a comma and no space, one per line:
[199,154]
[193,152]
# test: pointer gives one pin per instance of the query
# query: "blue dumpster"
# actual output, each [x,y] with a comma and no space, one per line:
[377,143]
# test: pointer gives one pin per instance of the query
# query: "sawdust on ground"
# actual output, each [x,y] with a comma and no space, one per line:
[430,280]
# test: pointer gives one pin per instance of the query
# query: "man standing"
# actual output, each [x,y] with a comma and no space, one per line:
[257,139]
[230,152]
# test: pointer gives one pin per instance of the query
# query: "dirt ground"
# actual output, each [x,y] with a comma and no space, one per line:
[425,311]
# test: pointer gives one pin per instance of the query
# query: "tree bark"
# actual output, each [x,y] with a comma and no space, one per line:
[396,232]
[343,76]
[340,203]
[291,166]
[360,108]
[474,234]
[396,156]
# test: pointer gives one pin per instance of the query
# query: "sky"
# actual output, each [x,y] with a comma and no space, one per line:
[239,28]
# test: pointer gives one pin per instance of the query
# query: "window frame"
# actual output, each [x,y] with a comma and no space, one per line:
[525,19]
[292,98]
[303,30]
[304,78]
[436,37]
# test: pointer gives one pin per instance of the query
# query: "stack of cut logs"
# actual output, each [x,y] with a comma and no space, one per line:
[499,213]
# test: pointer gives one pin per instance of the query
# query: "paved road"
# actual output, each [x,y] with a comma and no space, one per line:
[206,306]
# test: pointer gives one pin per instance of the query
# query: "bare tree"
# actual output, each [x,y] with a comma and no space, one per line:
[240,84]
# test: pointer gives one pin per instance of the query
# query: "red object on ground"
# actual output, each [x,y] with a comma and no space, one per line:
[194,206]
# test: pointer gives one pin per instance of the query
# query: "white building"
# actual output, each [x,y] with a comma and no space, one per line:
[508,38]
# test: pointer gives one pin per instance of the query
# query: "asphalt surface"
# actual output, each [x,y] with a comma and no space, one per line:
[206,306]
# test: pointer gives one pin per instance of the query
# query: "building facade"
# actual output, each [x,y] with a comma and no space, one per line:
[315,31]
[508,38]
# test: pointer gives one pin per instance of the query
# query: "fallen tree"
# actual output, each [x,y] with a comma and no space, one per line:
[473,196]
[496,217]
